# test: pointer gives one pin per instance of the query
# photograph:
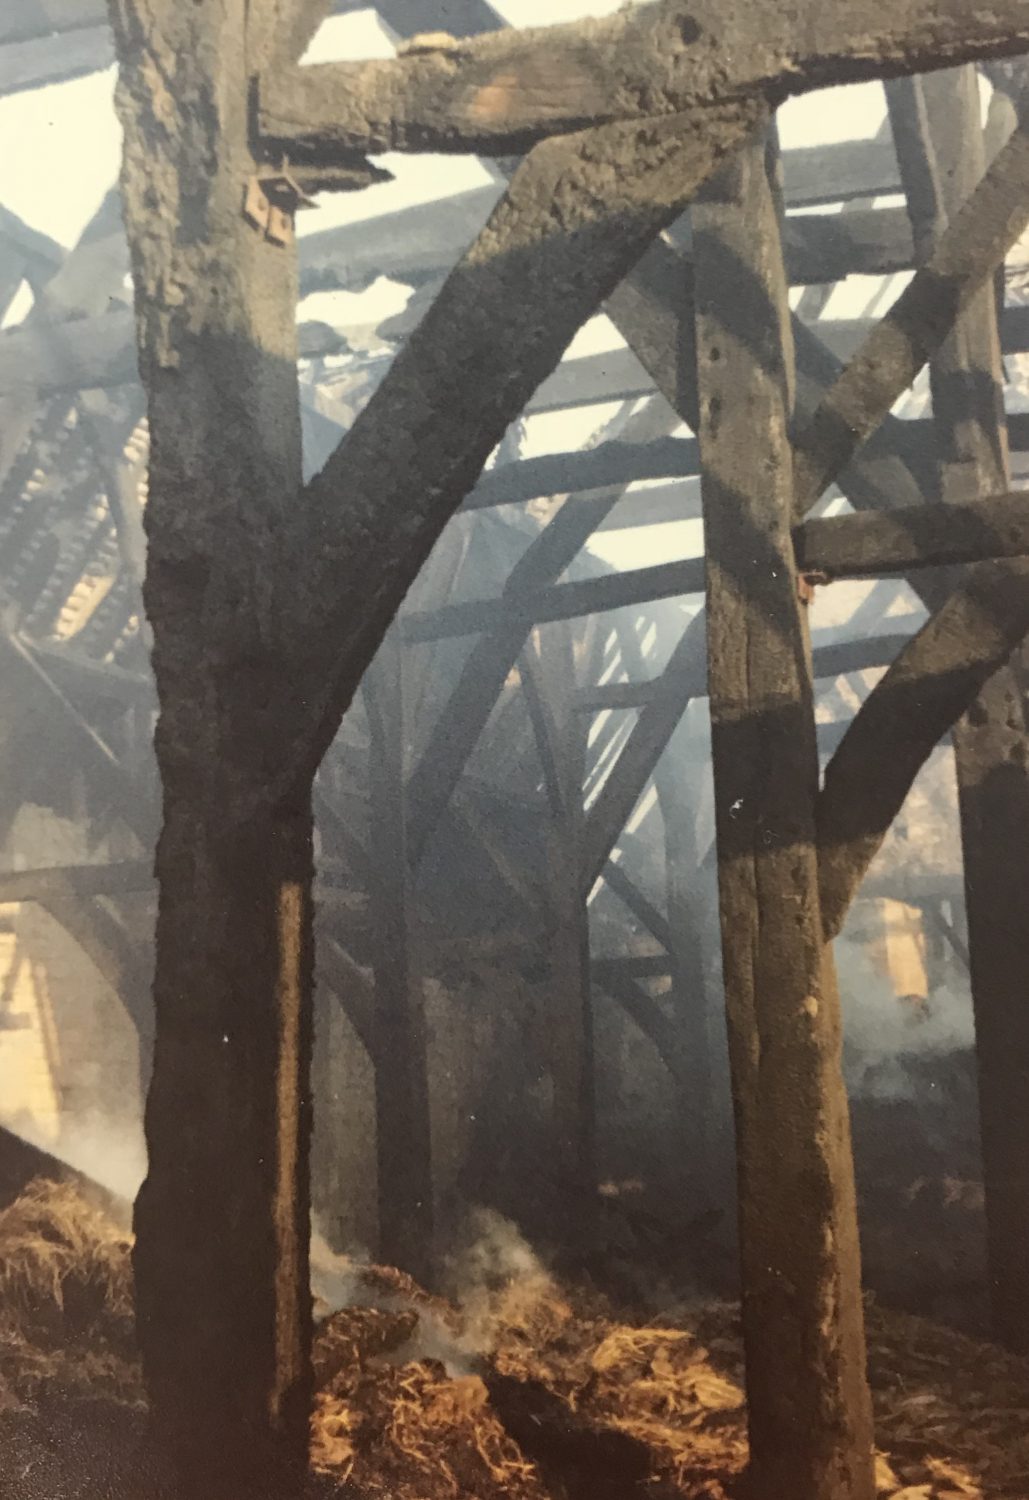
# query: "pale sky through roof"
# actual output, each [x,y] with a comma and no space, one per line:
[57,184]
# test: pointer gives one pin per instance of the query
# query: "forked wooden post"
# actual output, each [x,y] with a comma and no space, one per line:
[809,1409]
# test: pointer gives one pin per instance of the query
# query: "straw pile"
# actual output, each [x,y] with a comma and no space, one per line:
[65,1300]
[525,1393]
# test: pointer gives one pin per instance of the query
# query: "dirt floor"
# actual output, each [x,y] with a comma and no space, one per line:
[528,1392]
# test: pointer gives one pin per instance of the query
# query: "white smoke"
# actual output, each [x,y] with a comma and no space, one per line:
[880,1027]
[492,1267]
[112,1156]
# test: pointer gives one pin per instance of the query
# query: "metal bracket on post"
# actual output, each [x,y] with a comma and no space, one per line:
[270,204]
[807,583]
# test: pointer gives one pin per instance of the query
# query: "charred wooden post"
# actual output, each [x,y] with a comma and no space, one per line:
[942,157]
[222,1220]
[809,1410]
[403,1136]
[549,672]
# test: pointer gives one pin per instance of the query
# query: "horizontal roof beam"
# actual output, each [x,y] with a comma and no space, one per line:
[875,544]
[829,660]
[503,92]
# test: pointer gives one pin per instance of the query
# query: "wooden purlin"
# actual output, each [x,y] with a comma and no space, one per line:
[44,42]
[41,61]
[32,20]
[420,244]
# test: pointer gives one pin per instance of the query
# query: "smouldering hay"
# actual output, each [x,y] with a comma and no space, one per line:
[952,1415]
[65,1297]
[392,1419]
[412,1430]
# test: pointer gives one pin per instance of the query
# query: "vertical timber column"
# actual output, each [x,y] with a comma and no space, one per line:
[549,668]
[941,149]
[222,1220]
[808,1403]
[692,1081]
[403,1127]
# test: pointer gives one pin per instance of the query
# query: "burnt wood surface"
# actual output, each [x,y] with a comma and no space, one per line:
[809,1411]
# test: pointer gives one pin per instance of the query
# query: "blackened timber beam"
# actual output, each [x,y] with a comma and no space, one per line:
[26,678]
[60,882]
[512,315]
[613,462]
[564,601]
[828,247]
[872,544]
[41,61]
[962,260]
[893,468]
[896,465]
[809,1411]
[419,244]
[833,659]
[32,244]
[353,988]
[641,906]
[646,1013]
[504,92]
[82,354]
[458,18]
[635,965]
[27,20]
[123,963]
[75,675]
[85,353]
[837,174]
